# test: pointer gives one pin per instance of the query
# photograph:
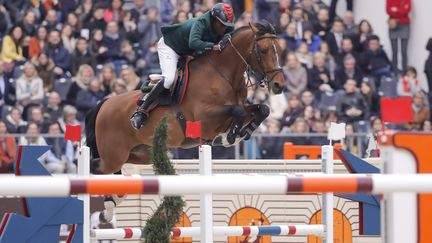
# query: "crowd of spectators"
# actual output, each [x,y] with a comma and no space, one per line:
[59,58]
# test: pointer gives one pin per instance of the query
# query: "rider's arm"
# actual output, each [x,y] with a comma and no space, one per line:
[195,42]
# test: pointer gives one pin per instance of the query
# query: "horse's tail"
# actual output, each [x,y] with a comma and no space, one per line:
[90,129]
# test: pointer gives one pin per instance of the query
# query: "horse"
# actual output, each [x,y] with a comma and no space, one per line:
[216,96]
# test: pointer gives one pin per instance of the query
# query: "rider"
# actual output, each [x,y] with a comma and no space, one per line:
[195,35]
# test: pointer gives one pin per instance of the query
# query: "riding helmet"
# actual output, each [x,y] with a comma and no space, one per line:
[224,13]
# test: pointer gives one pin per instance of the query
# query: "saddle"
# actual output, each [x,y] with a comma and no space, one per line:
[177,91]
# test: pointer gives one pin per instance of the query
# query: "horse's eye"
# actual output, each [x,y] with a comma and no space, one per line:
[263,51]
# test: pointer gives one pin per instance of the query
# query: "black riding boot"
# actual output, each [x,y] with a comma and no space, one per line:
[141,114]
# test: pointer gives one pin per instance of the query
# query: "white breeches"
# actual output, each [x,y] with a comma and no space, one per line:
[168,59]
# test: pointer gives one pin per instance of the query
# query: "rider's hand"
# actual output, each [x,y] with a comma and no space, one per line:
[217,47]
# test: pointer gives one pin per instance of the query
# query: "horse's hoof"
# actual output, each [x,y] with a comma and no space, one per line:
[231,138]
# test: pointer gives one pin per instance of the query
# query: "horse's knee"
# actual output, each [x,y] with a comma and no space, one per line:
[238,111]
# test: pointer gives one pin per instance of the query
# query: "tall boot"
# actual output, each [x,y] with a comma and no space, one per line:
[142,113]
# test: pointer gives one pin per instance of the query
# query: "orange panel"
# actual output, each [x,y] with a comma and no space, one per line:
[248,217]
[111,186]
[291,151]
[341,227]
[420,144]
[330,185]
[183,222]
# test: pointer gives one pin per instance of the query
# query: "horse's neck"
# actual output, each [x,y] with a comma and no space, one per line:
[230,62]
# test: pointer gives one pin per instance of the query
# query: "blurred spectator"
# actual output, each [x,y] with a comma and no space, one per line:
[51,21]
[352,105]
[110,50]
[297,18]
[68,38]
[7,148]
[97,20]
[310,9]
[5,21]
[60,157]
[244,20]
[139,10]
[291,36]
[12,48]
[32,136]
[272,147]
[89,98]
[319,77]
[364,32]
[54,109]
[84,11]
[68,117]
[16,8]
[421,112]
[304,56]
[427,126]
[29,88]
[347,48]
[118,87]
[376,125]
[96,43]
[58,53]
[167,8]
[129,53]
[36,116]
[149,28]
[333,4]
[37,43]
[81,81]
[300,127]
[312,41]
[74,23]
[334,38]
[350,27]
[349,70]
[295,74]
[264,8]
[330,63]
[45,69]
[114,12]
[292,112]
[319,127]
[128,75]
[308,99]
[283,22]
[14,121]
[310,115]
[107,77]
[82,55]
[185,6]
[180,17]
[322,25]
[376,61]
[129,28]
[408,84]
[28,23]
[371,97]
[399,29]
[331,116]
[7,91]
[428,66]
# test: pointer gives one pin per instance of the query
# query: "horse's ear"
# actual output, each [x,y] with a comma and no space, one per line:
[253,27]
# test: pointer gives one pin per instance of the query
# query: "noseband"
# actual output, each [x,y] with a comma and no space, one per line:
[264,74]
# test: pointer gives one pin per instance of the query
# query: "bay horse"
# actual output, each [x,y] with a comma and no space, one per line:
[216,96]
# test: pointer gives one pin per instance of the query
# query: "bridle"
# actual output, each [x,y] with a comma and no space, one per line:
[264,74]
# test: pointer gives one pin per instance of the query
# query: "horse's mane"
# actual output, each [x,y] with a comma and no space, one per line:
[264,27]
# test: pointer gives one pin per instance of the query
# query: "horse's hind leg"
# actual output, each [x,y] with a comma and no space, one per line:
[110,203]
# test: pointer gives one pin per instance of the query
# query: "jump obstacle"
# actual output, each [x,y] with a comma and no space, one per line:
[405,211]
[137,233]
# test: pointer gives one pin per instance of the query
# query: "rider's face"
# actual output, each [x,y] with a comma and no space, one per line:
[218,27]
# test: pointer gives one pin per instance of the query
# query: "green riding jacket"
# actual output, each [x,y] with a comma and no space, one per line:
[192,36]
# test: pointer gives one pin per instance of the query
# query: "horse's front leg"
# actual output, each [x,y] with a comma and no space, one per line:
[239,115]
[107,215]
[258,114]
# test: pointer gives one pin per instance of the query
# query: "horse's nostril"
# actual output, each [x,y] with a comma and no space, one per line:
[276,88]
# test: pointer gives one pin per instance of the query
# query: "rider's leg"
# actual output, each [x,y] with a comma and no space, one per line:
[168,59]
